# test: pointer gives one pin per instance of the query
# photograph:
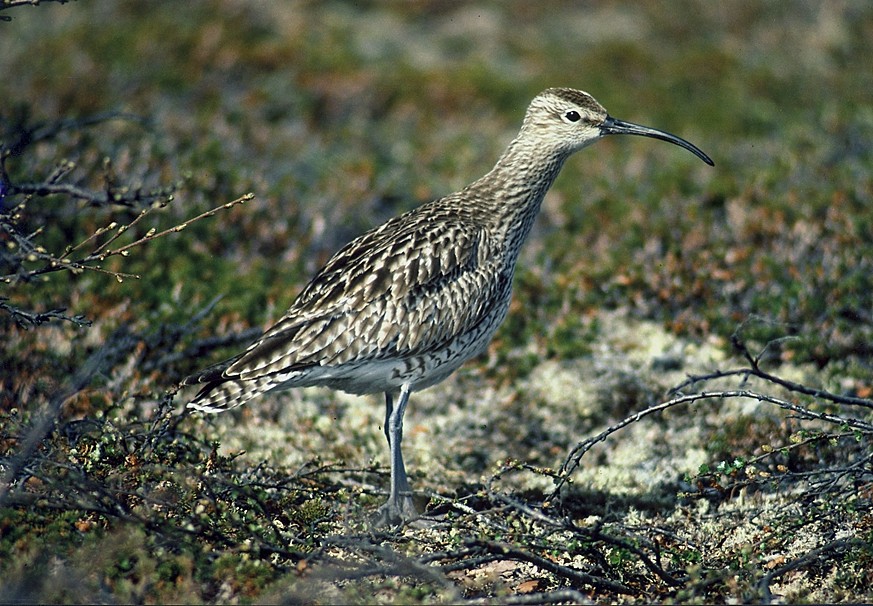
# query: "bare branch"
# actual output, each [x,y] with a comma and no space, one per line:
[821,394]
[7,4]
[811,557]
[22,135]
[154,236]
[27,319]
[121,196]
[90,261]
[577,452]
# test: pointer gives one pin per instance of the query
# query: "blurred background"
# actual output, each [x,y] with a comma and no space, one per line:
[339,115]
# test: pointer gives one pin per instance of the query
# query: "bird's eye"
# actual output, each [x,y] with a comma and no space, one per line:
[572,115]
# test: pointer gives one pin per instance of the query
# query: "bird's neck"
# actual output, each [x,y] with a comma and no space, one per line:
[513,190]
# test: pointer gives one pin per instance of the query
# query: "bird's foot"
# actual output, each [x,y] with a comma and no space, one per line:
[395,512]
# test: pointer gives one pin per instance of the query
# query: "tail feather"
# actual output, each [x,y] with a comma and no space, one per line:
[212,374]
[227,393]
[220,392]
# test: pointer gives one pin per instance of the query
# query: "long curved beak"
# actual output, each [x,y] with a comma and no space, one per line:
[612,126]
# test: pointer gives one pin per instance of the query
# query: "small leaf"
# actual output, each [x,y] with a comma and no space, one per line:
[528,586]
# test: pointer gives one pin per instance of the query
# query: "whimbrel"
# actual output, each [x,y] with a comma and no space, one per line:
[401,307]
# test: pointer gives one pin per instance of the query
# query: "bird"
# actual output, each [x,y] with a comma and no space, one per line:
[401,307]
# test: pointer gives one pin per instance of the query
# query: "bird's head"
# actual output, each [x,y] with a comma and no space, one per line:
[571,119]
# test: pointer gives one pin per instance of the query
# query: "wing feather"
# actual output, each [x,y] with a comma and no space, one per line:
[402,288]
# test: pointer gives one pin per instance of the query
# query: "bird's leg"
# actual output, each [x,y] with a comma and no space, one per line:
[400,505]
[389,408]
[400,490]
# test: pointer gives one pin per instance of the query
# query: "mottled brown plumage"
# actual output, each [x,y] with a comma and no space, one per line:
[401,307]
